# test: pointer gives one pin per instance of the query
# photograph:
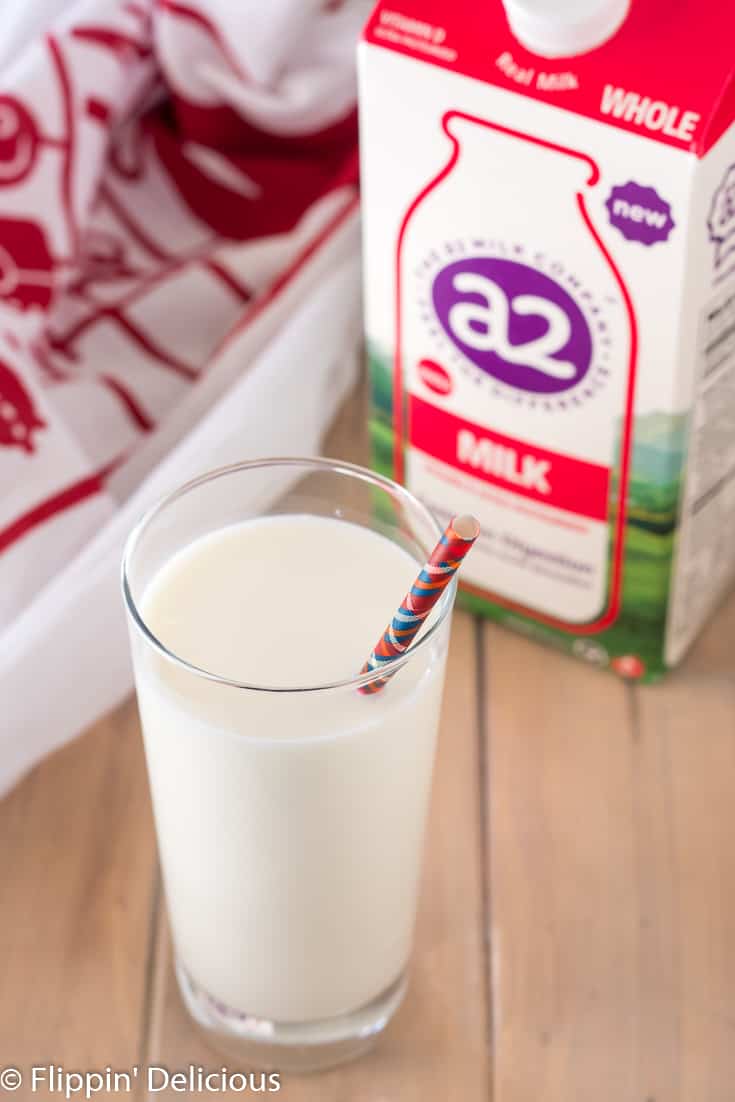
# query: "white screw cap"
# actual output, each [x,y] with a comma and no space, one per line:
[562,28]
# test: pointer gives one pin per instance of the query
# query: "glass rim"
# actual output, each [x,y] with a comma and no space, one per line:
[317,463]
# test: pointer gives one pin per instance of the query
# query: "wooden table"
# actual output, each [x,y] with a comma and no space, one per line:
[576,935]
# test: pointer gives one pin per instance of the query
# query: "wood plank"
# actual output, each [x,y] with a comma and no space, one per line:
[437,1047]
[685,803]
[561,875]
[77,855]
[611,876]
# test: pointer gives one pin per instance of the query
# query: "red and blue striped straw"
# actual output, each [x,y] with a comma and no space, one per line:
[435,576]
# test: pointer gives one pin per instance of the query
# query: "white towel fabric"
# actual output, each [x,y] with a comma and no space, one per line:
[179,289]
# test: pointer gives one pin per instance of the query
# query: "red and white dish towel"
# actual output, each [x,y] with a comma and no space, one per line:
[178,289]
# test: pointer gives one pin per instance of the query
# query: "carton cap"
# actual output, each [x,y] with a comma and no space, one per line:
[563,28]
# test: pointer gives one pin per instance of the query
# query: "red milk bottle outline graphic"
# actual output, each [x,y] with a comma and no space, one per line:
[616,504]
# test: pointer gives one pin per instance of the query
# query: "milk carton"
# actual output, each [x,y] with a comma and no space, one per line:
[549,203]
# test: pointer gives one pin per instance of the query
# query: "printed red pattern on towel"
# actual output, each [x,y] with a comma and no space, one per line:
[109,222]
[19,141]
[18,419]
[26,265]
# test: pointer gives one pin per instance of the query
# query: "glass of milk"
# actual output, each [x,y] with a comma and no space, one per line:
[289,806]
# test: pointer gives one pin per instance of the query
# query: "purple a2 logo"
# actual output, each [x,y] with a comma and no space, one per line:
[514,323]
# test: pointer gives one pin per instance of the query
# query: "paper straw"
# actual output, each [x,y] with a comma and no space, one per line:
[457,539]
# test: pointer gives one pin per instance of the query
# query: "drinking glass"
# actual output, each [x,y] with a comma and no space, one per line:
[290,820]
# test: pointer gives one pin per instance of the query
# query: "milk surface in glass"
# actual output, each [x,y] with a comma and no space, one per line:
[289,823]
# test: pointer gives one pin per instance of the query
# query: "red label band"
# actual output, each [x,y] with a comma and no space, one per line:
[681,96]
[559,480]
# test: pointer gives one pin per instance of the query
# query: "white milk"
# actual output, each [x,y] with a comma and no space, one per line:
[290,824]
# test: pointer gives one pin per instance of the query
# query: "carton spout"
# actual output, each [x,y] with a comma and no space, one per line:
[564,28]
